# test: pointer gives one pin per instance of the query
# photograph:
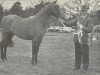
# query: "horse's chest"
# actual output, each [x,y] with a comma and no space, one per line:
[36,28]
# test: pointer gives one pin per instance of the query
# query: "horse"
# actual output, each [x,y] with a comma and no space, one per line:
[95,29]
[32,28]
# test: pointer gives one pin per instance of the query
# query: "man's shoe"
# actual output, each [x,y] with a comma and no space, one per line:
[84,71]
[75,68]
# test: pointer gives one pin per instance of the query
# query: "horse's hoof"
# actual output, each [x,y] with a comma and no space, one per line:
[11,45]
[3,60]
[34,64]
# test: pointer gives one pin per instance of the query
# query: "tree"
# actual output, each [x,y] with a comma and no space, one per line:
[33,11]
[74,6]
[38,7]
[28,12]
[1,13]
[16,9]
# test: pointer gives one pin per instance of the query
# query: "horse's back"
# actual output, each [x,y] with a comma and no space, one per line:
[17,25]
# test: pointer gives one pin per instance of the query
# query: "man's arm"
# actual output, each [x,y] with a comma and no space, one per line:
[89,28]
[70,24]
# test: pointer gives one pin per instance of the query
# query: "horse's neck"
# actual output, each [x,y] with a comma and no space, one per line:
[43,16]
[79,27]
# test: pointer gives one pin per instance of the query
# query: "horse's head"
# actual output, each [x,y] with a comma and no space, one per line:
[53,9]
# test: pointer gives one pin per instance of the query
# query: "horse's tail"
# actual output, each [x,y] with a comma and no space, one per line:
[1,23]
[9,39]
[1,17]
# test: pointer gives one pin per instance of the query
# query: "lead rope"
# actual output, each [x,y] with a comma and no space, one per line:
[79,30]
[61,21]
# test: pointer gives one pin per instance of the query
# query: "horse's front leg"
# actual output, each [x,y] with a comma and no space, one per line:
[5,49]
[38,42]
[1,47]
[35,48]
[4,44]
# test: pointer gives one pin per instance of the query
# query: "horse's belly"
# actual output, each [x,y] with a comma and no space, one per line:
[23,36]
[21,31]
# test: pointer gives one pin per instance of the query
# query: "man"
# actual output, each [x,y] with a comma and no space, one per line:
[97,17]
[82,48]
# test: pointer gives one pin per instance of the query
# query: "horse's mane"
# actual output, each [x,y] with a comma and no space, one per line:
[46,6]
[43,7]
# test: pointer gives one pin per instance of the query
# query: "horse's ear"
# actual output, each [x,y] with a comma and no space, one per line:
[54,2]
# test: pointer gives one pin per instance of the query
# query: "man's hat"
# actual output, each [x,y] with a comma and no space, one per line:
[84,7]
[18,3]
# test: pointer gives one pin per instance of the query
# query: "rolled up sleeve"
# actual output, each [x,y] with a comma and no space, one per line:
[89,28]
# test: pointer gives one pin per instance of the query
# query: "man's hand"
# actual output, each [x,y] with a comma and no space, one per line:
[80,26]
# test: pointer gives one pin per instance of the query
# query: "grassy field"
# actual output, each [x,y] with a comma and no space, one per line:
[55,57]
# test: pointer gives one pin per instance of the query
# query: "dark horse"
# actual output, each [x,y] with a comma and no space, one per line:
[32,28]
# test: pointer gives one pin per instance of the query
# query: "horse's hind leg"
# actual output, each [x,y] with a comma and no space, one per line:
[4,44]
[5,49]
[1,52]
[6,41]
[9,37]
[1,47]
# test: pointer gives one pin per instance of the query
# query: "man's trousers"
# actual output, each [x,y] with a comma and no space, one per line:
[81,55]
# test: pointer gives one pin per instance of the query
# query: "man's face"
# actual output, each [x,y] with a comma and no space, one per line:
[83,13]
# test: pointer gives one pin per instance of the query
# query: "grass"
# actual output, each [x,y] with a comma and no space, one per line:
[55,57]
